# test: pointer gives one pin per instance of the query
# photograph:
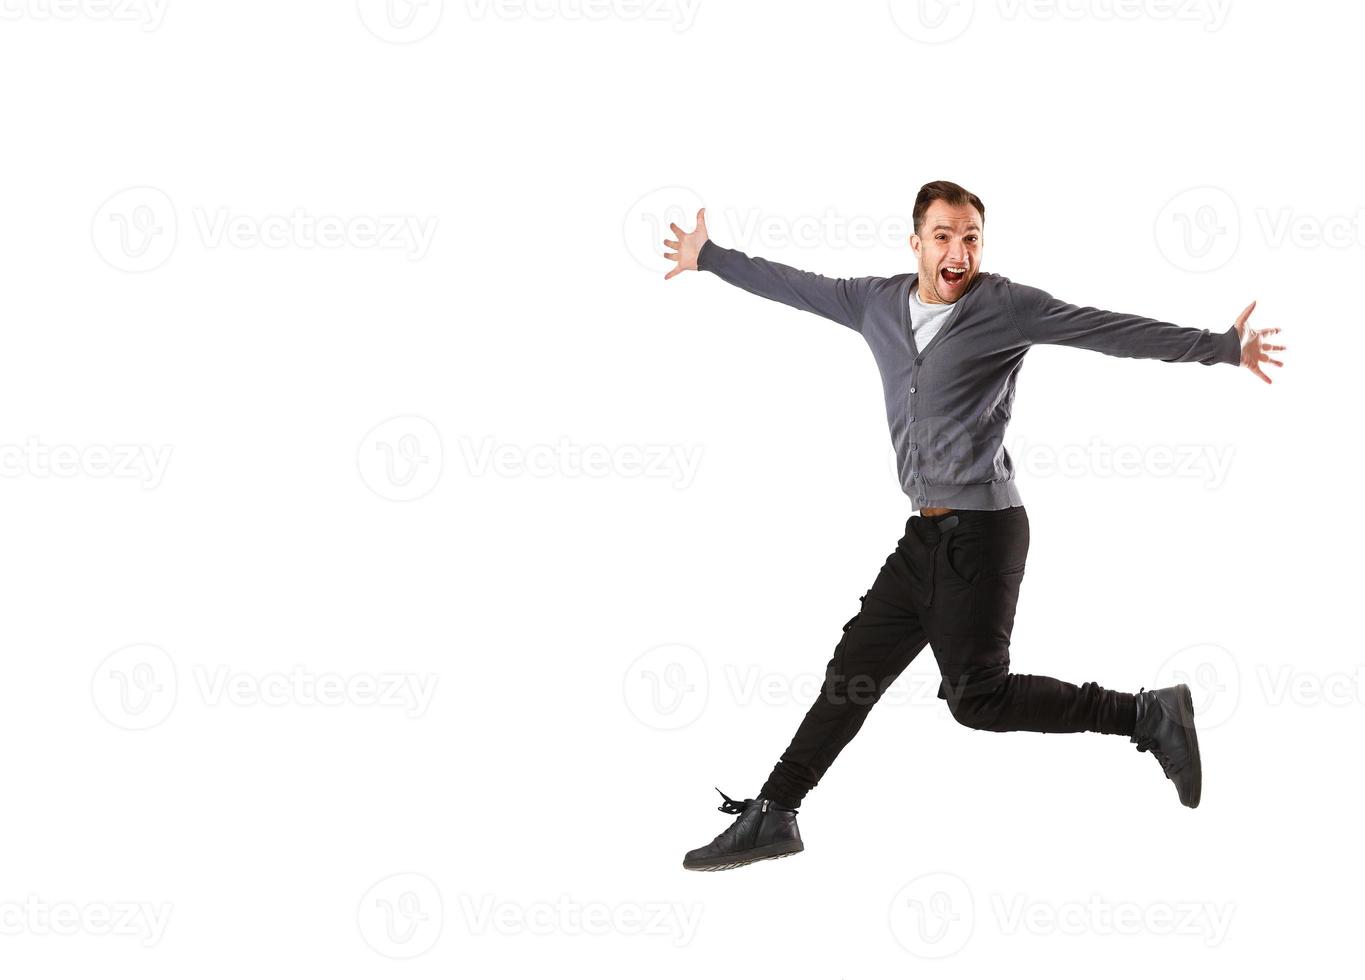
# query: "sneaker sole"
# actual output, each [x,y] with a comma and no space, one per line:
[1186,705]
[768,852]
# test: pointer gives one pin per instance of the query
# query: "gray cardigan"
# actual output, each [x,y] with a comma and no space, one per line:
[948,404]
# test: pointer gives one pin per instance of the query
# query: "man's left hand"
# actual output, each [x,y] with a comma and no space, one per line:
[1254,346]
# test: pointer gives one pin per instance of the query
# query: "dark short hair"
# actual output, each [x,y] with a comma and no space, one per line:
[944,190]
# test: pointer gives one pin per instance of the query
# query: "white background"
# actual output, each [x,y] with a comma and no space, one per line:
[610,629]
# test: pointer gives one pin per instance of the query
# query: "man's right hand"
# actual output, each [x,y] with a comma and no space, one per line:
[687,247]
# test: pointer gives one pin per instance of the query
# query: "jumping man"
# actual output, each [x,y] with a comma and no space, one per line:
[949,342]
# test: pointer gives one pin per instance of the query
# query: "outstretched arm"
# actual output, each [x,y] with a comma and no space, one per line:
[1044,319]
[840,300]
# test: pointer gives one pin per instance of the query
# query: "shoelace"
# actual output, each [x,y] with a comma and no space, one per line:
[1150,745]
[739,806]
[732,806]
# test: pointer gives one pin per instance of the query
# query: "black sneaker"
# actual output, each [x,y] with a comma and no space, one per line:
[763,830]
[1165,727]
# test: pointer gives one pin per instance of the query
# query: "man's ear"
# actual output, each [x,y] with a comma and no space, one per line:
[914,244]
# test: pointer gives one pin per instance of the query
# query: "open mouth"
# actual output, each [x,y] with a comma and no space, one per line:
[953,275]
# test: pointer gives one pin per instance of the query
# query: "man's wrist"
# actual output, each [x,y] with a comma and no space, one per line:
[1232,347]
[708,248]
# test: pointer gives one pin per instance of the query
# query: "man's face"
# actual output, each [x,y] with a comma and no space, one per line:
[949,253]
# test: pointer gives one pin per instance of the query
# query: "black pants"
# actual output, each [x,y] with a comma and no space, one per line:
[953,583]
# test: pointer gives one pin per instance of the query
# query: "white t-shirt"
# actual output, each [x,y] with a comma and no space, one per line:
[926,318]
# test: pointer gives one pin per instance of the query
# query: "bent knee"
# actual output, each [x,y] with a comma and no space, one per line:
[980,711]
[972,712]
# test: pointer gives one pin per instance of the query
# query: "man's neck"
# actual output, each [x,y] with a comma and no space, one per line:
[928,300]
